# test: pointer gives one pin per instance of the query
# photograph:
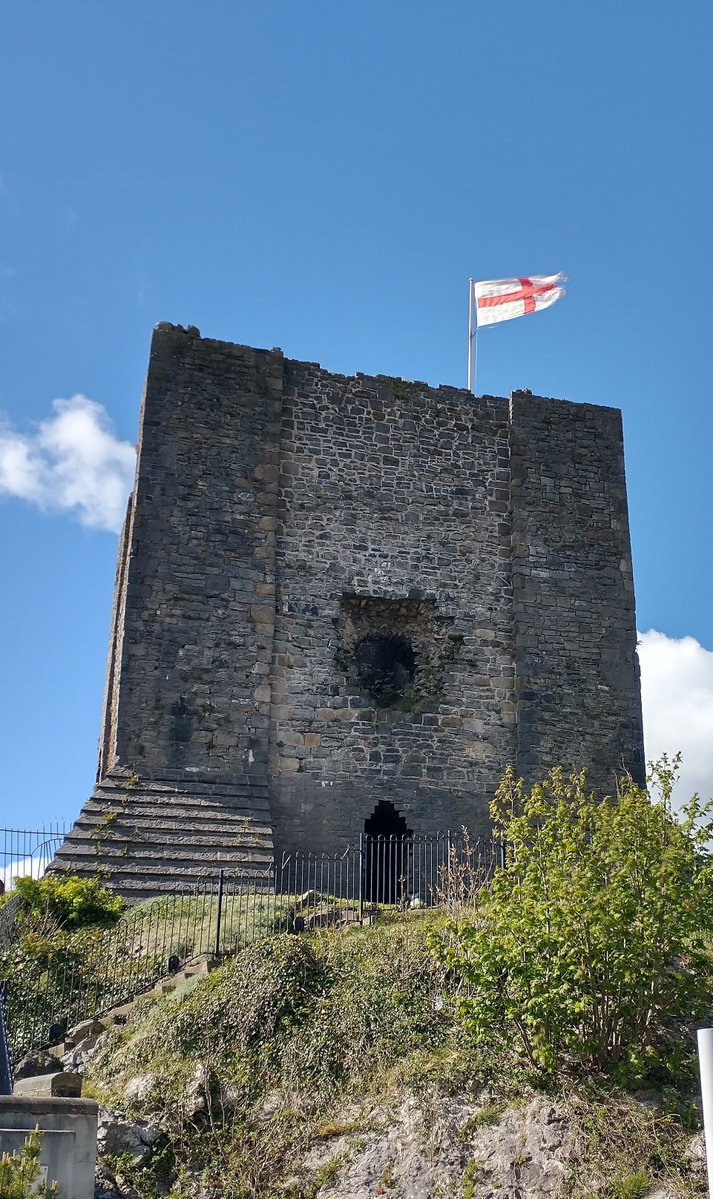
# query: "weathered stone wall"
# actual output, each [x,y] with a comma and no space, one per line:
[395,492]
[576,667]
[355,592]
[192,644]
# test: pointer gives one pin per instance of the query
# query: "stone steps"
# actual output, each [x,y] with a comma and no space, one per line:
[107,823]
[183,856]
[95,839]
[148,881]
[151,837]
[83,1036]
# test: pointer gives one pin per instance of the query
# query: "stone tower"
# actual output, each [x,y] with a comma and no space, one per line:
[351,602]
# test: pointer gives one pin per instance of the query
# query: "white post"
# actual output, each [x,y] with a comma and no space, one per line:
[705,1063]
[470,335]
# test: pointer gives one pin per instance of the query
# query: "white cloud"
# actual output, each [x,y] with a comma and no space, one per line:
[72,462]
[677,698]
[24,868]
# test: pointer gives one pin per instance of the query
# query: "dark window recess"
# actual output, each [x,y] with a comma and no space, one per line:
[386,667]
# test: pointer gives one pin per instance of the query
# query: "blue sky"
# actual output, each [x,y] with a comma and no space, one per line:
[324,177]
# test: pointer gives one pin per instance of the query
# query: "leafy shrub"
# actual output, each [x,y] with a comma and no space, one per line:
[318,1012]
[72,901]
[20,1174]
[244,1066]
[590,947]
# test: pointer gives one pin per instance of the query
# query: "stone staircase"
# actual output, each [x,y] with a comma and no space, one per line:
[46,1072]
[151,837]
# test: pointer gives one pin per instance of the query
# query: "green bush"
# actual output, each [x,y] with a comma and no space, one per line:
[591,946]
[73,902]
[244,1067]
[318,1012]
[20,1174]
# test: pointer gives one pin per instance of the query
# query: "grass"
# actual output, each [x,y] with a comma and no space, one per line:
[294,1034]
[62,976]
[304,1039]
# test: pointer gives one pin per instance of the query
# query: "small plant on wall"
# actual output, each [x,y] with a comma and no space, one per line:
[21,1173]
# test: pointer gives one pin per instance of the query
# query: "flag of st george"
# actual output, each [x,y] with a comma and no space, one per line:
[503,299]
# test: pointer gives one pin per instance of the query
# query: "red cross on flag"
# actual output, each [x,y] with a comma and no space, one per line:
[503,299]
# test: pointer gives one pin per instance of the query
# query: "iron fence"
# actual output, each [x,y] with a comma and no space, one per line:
[71,977]
[28,852]
[6,1074]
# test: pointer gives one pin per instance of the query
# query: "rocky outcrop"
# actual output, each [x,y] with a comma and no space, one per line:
[441,1147]
[449,1148]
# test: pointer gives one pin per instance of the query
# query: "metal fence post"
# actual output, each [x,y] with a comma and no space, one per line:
[220,912]
[6,1076]
[705,1065]
[449,861]
[502,854]
[361,878]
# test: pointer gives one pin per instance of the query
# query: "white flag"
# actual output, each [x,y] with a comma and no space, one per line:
[503,299]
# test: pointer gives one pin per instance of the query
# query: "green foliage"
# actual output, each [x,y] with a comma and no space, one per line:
[72,901]
[322,1011]
[631,1186]
[276,1042]
[302,1039]
[56,962]
[590,947]
[469,1178]
[20,1174]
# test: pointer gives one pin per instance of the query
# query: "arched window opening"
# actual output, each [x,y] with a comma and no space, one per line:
[386,667]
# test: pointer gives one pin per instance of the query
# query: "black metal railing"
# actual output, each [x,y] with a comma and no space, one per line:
[6,1074]
[71,977]
[28,852]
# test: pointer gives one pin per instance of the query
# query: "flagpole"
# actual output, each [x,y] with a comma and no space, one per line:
[470,335]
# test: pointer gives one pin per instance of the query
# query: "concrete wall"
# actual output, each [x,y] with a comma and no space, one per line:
[69,1139]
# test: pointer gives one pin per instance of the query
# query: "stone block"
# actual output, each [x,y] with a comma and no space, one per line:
[69,1138]
[62,1084]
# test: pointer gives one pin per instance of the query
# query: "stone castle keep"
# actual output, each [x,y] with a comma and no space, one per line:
[346,604]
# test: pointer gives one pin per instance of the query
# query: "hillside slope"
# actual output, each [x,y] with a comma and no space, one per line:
[335,1066]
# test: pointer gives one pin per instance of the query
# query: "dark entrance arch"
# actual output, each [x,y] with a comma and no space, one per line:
[386,854]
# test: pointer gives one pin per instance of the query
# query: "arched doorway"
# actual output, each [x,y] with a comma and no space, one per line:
[386,855]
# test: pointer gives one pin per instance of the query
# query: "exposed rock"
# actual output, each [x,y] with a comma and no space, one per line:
[696,1149]
[447,1149]
[116,1134]
[34,1064]
[86,1028]
[196,1093]
[78,1058]
[138,1089]
[110,1186]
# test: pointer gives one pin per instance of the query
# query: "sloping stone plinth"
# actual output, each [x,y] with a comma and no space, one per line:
[149,837]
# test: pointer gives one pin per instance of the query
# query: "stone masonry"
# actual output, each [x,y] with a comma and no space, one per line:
[335,593]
